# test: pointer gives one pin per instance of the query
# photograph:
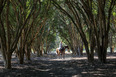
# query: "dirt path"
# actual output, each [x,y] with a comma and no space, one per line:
[52,67]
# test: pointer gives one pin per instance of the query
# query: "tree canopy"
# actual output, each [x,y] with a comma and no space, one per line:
[38,24]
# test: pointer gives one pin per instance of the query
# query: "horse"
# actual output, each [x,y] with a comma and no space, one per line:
[61,51]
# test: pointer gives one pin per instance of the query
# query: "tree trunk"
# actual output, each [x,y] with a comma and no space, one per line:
[28,53]
[90,58]
[8,61]
[102,55]
[6,58]
[81,49]
[102,50]
[21,56]
[111,45]
[111,50]
[38,51]
[89,53]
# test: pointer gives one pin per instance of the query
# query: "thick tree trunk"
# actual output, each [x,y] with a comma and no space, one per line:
[81,49]
[21,56]
[90,58]
[102,55]
[28,53]
[42,49]
[102,50]
[90,54]
[41,54]
[38,51]
[111,44]
[8,61]
[6,58]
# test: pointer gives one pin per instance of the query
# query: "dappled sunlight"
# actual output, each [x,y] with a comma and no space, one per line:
[69,58]
[99,74]
[69,67]
[76,76]
[57,38]
[114,73]
[84,72]
[99,69]
[44,70]
[1,67]
[110,64]
[111,57]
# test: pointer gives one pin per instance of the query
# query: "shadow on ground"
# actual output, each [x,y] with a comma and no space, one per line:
[60,68]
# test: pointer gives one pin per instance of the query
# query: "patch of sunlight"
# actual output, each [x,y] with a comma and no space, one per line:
[84,72]
[99,74]
[68,59]
[101,69]
[1,67]
[68,52]
[44,70]
[110,64]
[108,50]
[95,57]
[114,72]
[76,76]
[32,50]
[111,57]
[51,73]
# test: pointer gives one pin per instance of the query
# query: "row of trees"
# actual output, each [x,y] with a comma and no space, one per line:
[24,24]
[68,33]
[92,20]
[34,24]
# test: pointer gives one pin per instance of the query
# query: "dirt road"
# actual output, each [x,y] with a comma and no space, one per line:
[50,66]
